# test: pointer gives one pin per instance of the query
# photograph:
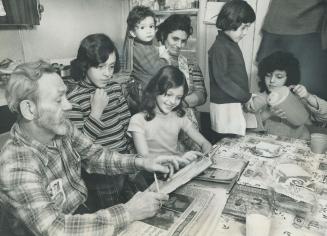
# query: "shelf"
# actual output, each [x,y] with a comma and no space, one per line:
[191,11]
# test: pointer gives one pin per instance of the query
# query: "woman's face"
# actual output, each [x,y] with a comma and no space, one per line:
[277,78]
[171,99]
[175,41]
[101,74]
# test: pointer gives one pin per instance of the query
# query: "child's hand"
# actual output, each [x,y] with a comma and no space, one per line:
[99,101]
[191,156]
[249,106]
[278,112]
[259,102]
[300,90]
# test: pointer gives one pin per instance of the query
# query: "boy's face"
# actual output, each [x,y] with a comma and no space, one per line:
[145,30]
[239,33]
[101,74]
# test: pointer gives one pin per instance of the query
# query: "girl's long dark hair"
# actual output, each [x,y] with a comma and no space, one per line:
[166,78]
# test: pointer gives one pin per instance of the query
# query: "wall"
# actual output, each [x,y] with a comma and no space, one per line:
[63,25]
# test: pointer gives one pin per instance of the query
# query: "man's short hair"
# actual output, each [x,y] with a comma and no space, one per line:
[23,85]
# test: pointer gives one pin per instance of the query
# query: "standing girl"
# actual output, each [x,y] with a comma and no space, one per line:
[155,129]
[100,111]
[228,78]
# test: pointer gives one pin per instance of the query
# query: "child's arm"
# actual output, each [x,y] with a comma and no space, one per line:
[316,105]
[221,75]
[87,124]
[140,143]
[198,138]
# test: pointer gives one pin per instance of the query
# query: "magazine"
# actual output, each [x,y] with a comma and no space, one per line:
[225,171]
[241,197]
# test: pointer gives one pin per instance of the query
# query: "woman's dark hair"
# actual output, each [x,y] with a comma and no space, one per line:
[233,14]
[166,78]
[93,50]
[172,23]
[137,14]
[279,60]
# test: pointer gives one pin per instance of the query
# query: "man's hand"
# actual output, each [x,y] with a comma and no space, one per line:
[145,204]
[164,163]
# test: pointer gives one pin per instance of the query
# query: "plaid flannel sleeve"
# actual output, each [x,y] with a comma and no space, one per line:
[23,191]
[97,159]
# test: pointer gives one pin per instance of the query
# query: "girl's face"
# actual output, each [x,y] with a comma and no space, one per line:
[101,74]
[277,78]
[175,41]
[145,30]
[239,33]
[171,99]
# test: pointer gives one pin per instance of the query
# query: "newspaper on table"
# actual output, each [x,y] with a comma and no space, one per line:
[176,217]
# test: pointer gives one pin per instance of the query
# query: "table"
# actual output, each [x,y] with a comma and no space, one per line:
[261,173]
[209,214]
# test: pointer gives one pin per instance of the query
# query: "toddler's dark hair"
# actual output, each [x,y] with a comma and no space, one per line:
[137,14]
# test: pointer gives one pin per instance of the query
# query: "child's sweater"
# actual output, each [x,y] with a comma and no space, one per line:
[228,77]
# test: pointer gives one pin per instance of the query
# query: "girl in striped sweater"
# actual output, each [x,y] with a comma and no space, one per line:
[100,111]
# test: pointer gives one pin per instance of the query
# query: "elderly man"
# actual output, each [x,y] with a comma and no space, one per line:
[40,166]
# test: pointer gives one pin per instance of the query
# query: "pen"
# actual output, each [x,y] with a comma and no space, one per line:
[157,185]
[156,181]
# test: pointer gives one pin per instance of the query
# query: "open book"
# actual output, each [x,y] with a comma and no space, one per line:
[226,170]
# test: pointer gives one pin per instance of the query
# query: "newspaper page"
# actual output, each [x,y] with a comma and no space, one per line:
[206,224]
[176,216]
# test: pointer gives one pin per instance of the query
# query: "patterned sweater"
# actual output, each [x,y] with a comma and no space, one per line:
[111,130]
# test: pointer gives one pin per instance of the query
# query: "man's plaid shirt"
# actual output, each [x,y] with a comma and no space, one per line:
[42,185]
